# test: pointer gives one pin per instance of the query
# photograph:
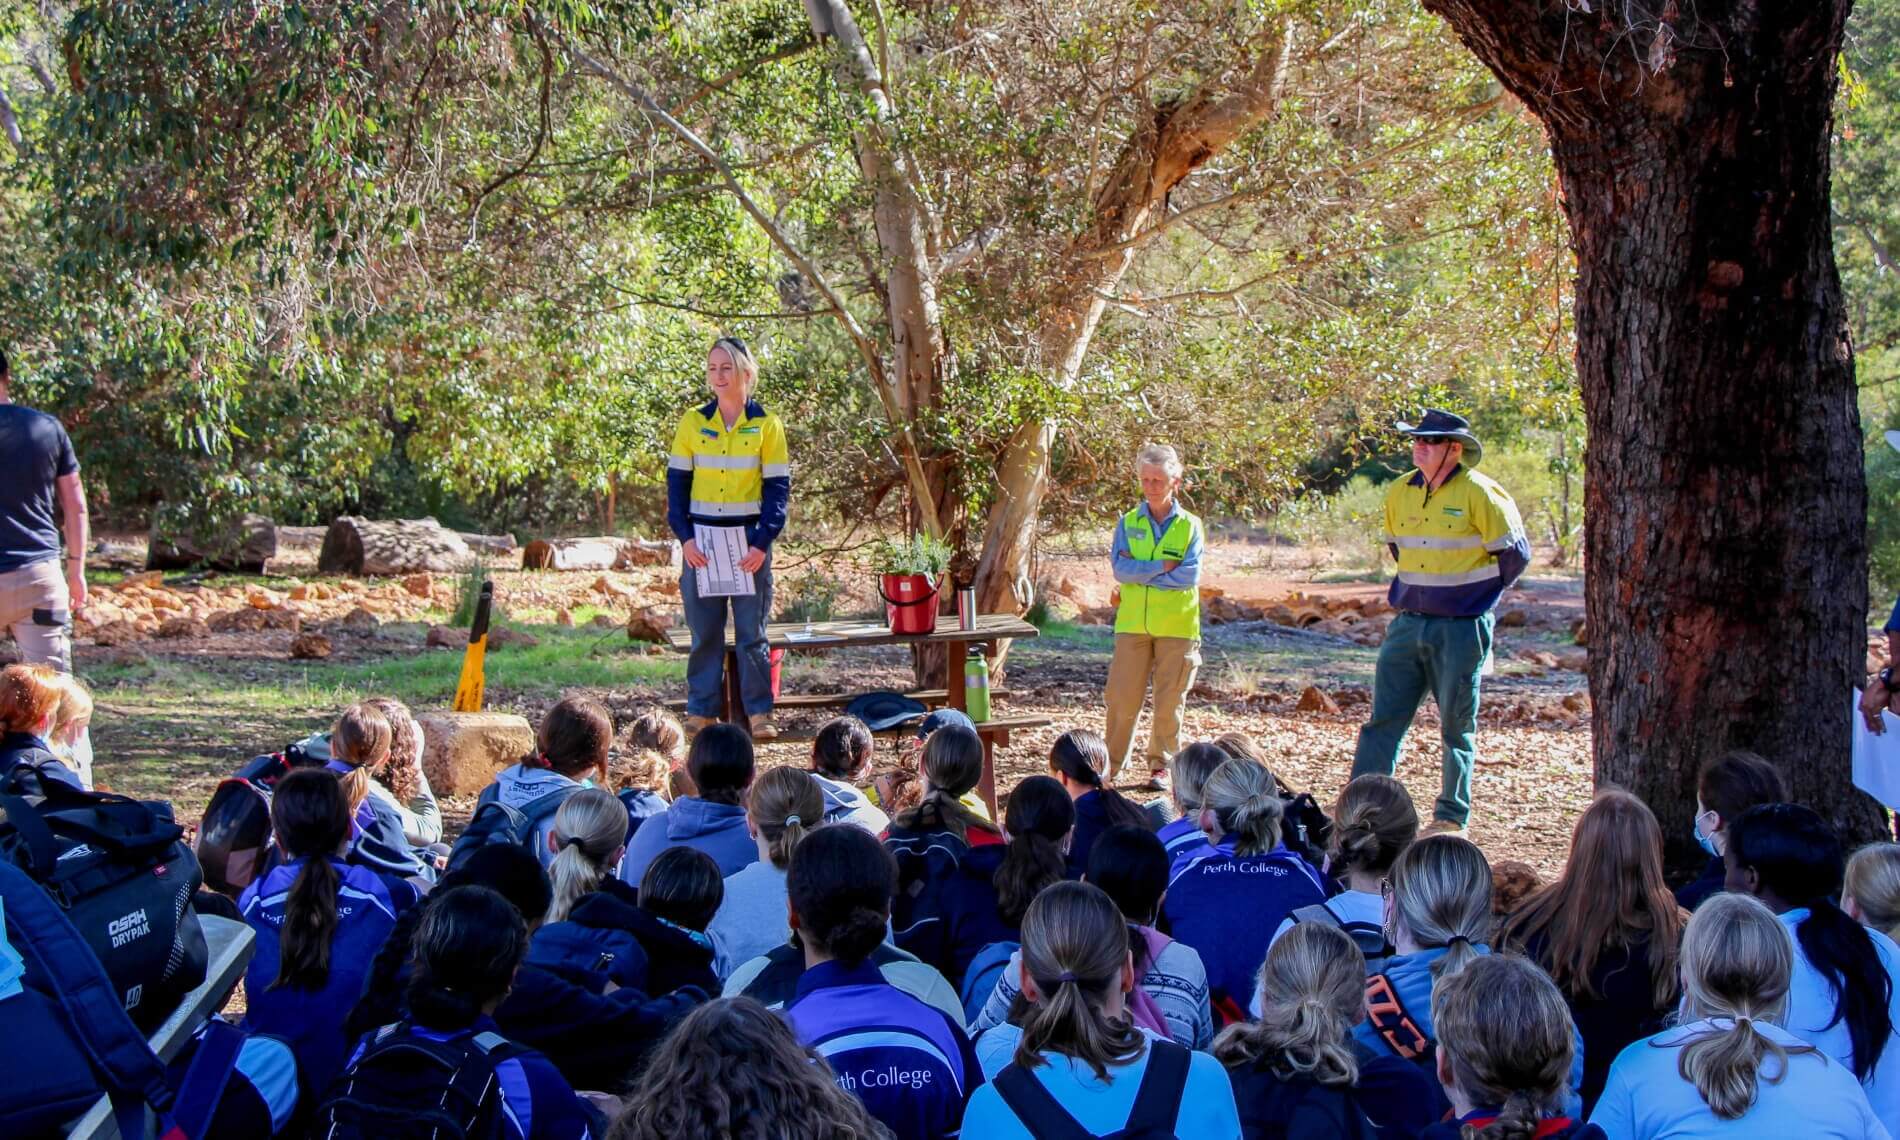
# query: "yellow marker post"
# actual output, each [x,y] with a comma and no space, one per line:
[468,690]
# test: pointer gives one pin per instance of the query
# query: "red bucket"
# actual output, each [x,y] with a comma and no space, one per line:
[777,658]
[910,602]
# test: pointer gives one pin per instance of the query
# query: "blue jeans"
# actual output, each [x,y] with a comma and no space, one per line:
[705,664]
[1441,656]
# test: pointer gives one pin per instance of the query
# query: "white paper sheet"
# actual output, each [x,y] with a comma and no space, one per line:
[1877,758]
[721,577]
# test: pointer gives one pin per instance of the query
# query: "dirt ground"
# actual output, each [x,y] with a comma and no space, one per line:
[178,711]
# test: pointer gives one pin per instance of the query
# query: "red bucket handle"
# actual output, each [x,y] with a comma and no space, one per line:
[936,589]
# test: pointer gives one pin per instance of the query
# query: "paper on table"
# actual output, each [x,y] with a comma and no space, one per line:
[1877,758]
[723,547]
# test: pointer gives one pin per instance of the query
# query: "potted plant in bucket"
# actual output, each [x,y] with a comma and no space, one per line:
[911,576]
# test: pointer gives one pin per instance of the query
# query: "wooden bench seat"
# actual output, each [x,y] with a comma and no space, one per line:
[935,698]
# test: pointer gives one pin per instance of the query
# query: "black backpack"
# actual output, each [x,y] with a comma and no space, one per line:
[409,1086]
[1157,1101]
[234,836]
[1369,937]
[1308,830]
[125,879]
[497,822]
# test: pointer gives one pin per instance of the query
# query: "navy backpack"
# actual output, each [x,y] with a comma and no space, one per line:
[497,822]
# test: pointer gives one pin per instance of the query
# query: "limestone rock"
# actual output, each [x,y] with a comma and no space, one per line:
[259,598]
[1580,632]
[183,628]
[115,633]
[648,624]
[602,621]
[564,617]
[283,617]
[244,620]
[359,620]
[1577,702]
[420,585]
[1513,618]
[503,637]
[446,637]
[143,578]
[310,646]
[463,751]
[1314,699]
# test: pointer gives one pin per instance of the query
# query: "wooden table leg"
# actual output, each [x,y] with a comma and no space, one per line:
[986,783]
[735,700]
[955,695]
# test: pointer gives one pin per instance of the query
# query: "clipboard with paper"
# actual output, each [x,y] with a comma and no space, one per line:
[1877,758]
[721,577]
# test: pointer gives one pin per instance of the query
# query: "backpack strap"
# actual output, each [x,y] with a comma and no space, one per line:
[1035,1107]
[1316,912]
[128,1069]
[42,850]
[1394,1023]
[1158,1100]
[205,1080]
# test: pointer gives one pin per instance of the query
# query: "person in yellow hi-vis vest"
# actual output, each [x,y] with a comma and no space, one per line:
[1459,542]
[729,468]
[1156,554]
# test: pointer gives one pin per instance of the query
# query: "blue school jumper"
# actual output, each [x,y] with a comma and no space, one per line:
[1183,839]
[910,1065]
[312,1020]
[1227,906]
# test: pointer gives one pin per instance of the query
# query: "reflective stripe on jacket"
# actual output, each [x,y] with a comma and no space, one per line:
[1457,547]
[1155,610]
[737,476]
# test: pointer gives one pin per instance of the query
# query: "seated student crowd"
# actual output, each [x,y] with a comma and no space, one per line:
[589,952]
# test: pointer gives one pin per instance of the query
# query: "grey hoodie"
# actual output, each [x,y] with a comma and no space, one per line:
[518,786]
[716,829]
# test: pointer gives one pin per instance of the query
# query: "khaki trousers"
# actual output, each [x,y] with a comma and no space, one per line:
[33,603]
[1172,663]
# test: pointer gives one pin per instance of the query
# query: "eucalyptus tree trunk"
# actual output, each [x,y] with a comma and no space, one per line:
[1724,491]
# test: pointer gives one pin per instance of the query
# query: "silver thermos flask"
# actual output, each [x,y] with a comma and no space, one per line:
[966,608]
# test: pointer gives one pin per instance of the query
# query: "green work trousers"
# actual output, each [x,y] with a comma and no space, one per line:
[1441,656]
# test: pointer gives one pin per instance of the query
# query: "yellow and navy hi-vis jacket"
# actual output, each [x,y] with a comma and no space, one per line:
[738,476]
[1458,547]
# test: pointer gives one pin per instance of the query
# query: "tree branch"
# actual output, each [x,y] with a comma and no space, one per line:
[719,83]
[10,124]
[540,138]
[867,349]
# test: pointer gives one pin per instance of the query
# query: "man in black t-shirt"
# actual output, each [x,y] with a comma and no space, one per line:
[37,470]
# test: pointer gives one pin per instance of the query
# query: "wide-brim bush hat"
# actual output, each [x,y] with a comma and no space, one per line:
[942,718]
[885,710]
[1438,422]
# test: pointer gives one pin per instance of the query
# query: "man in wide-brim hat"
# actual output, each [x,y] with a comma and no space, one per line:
[1459,542]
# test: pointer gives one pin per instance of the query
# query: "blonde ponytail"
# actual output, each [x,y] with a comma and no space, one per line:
[1075,949]
[785,804]
[1245,800]
[1312,992]
[1737,959]
[589,828]
[1441,892]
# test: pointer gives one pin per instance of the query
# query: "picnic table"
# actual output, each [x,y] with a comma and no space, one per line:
[794,636]
[230,944]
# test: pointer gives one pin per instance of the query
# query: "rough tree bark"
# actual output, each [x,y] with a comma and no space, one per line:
[1177,139]
[1727,587]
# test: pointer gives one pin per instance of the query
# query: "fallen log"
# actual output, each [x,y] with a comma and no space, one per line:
[606,552]
[242,544]
[367,547]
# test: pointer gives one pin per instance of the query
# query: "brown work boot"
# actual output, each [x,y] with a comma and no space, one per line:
[1445,827]
[695,723]
[763,728]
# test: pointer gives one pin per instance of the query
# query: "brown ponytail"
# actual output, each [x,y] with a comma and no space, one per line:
[951,766]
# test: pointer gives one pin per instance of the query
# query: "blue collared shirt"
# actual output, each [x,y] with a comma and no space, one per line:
[1148,571]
